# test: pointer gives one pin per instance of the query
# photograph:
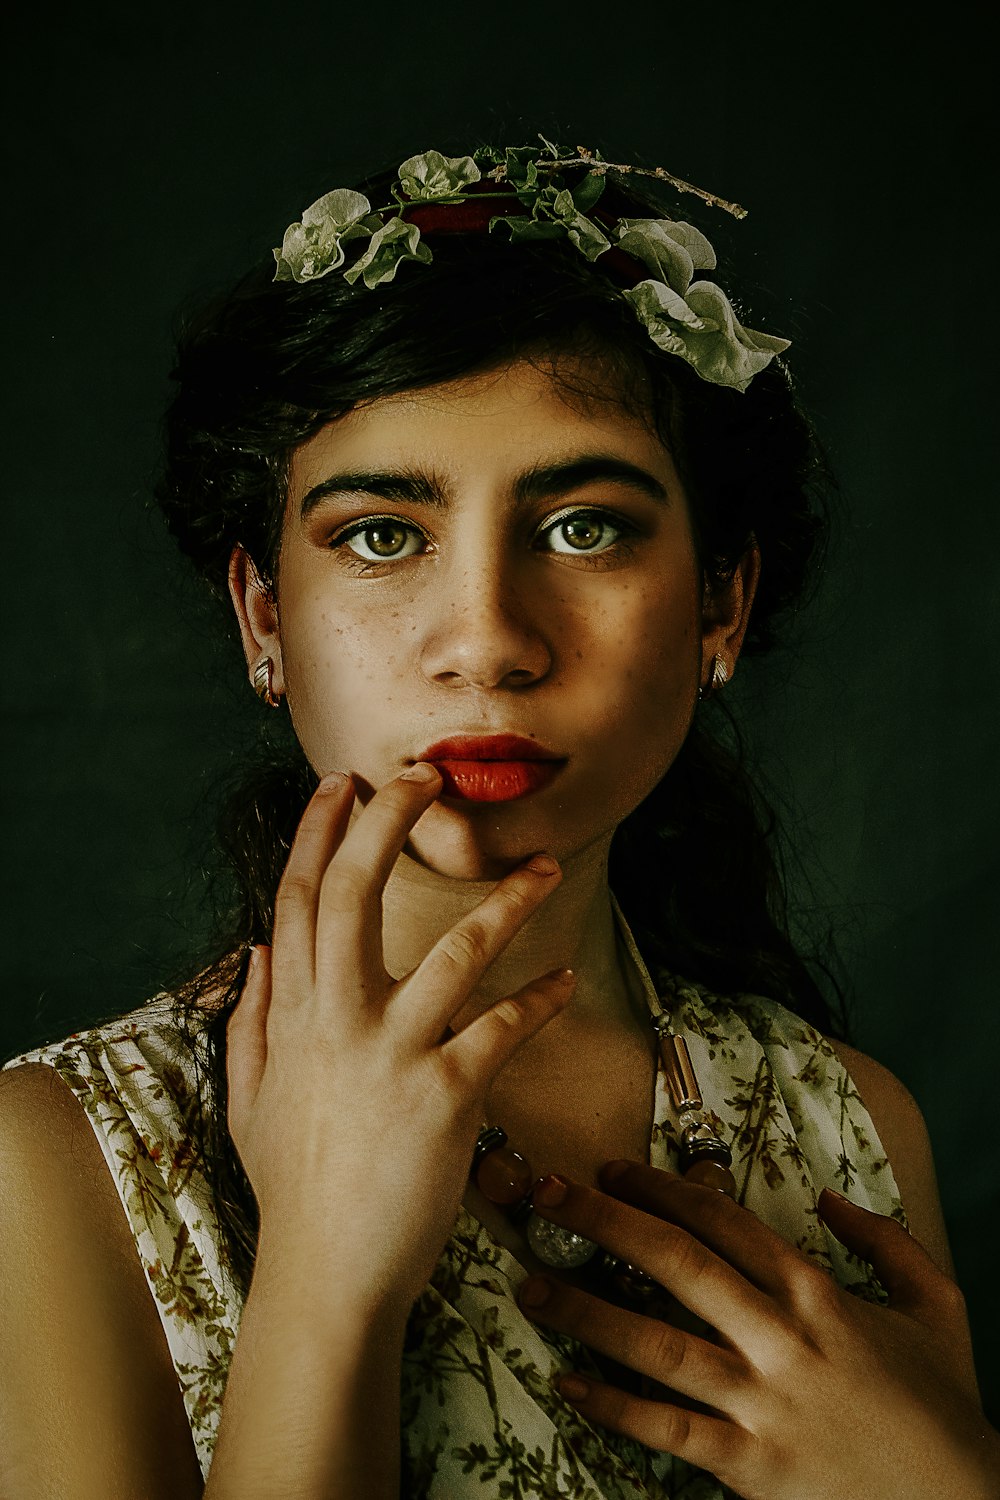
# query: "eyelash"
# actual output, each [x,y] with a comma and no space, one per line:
[620,547]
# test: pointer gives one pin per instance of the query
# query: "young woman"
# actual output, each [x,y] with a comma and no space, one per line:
[500,492]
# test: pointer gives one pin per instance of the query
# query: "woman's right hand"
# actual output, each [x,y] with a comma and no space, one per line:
[354,1113]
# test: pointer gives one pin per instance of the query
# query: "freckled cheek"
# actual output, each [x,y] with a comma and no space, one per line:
[337,673]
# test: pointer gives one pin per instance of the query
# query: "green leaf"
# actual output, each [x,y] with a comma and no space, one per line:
[581,232]
[520,169]
[390,245]
[343,206]
[587,236]
[671,250]
[315,247]
[702,328]
[563,203]
[530,229]
[588,190]
[663,258]
[432,175]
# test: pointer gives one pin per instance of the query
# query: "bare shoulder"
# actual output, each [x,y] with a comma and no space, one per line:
[89,1399]
[900,1124]
[37,1112]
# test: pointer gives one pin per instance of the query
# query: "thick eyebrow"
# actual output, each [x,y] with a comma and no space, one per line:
[544,482]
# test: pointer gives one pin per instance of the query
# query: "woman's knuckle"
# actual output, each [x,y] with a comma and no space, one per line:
[677,1433]
[295,890]
[447,1074]
[342,885]
[803,1338]
[690,1258]
[464,947]
[738,1463]
[511,900]
[668,1349]
[447,1090]
[508,1013]
[813,1291]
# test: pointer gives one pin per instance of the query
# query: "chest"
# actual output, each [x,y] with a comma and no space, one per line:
[568,1103]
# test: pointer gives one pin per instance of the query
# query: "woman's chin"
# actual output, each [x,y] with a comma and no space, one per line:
[473,866]
[481,842]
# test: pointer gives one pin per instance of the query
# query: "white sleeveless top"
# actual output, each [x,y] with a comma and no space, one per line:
[480,1416]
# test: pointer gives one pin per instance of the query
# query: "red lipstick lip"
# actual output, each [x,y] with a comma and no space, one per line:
[488,747]
[495,780]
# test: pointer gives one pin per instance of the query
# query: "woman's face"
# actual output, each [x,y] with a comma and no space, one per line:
[485,557]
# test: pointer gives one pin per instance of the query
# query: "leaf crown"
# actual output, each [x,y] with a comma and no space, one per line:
[522,190]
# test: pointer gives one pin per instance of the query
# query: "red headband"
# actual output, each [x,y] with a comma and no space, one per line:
[472,217]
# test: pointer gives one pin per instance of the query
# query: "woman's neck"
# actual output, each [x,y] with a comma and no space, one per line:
[574,928]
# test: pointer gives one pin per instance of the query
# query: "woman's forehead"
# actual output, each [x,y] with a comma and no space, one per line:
[520,413]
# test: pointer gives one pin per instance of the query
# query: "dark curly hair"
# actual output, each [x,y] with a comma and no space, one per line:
[262,370]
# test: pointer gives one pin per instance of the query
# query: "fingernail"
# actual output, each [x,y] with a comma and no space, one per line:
[560,976]
[612,1170]
[573,1388]
[422,771]
[832,1193]
[542,864]
[550,1192]
[534,1292]
[333,781]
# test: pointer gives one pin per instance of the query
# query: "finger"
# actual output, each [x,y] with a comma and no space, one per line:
[349,918]
[439,987]
[696,1276]
[320,831]
[246,1038]
[706,1441]
[651,1347]
[733,1232]
[483,1048]
[912,1280]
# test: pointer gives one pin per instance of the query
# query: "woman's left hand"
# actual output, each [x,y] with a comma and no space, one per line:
[813,1394]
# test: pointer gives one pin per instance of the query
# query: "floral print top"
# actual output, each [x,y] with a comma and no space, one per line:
[480,1414]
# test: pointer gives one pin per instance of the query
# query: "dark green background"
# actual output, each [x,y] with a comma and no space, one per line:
[151,158]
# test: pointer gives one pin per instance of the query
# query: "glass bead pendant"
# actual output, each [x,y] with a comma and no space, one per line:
[557,1247]
[504,1176]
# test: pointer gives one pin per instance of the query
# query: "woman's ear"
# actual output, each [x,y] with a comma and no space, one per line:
[257,615]
[726,614]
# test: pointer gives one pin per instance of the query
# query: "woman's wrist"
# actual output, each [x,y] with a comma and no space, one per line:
[344,1293]
[312,1401]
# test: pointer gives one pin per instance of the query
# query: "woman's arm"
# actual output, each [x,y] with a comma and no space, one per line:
[353,1213]
[90,1407]
[312,1401]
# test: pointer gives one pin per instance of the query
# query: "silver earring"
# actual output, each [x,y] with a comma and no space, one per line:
[262,678]
[720,676]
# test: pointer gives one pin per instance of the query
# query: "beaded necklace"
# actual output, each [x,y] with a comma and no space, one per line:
[507,1179]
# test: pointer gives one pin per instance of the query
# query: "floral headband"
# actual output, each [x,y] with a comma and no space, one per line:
[520,189]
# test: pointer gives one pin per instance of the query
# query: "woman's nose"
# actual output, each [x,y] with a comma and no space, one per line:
[482,633]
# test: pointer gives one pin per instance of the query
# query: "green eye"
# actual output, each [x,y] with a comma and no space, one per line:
[382,539]
[583,531]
